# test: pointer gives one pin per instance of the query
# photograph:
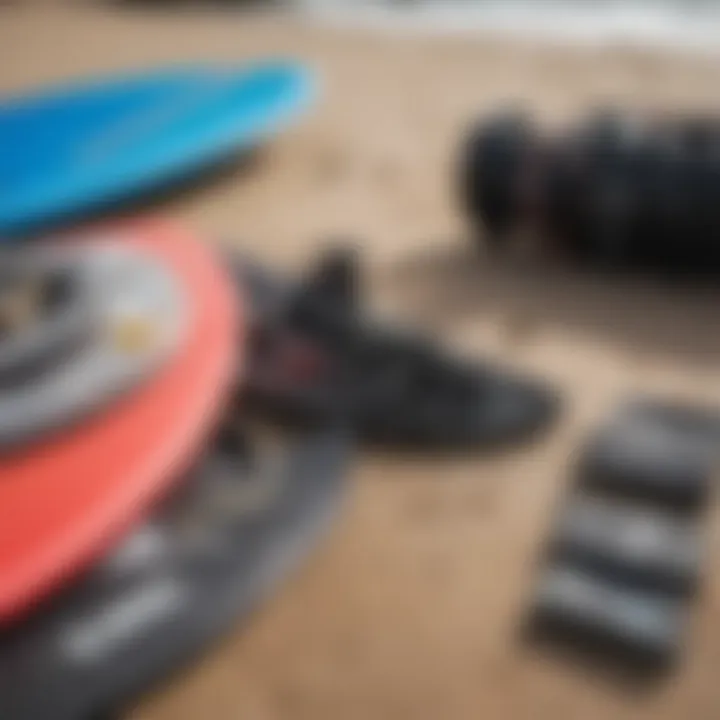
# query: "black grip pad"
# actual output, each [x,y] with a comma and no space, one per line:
[630,543]
[657,452]
[644,627]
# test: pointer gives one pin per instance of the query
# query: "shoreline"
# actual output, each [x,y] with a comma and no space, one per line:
[635,26]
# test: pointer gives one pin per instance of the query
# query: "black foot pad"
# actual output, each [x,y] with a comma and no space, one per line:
[644,629]
[626,554]
[655,451]
[630,544]
[241,522]
[314,359]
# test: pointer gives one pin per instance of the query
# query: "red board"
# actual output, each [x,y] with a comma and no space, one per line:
[64,501]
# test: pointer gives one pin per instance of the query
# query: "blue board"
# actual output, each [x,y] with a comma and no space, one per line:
[74,149]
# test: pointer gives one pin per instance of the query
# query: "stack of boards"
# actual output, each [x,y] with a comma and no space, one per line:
[138,518]
[626,555]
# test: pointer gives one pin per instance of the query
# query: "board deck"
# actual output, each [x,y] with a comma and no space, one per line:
[236,527]
[66,498]
[87,146]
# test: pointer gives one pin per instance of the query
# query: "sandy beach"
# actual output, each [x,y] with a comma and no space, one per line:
[411,610]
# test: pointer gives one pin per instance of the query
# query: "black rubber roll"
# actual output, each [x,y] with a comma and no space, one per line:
[614,190]
[491,162]
[240,523]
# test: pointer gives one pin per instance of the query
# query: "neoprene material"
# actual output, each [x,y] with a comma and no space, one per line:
[242,520]
[66,499]
[314,359]
[67,150]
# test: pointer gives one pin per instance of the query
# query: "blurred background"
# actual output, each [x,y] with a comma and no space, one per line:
[411,612]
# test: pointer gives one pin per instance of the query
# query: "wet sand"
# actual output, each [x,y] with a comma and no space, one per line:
[411,609]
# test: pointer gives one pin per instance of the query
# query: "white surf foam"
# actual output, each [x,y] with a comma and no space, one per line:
[692,24]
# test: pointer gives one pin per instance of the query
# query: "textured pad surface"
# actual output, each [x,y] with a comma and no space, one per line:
[647,627]
[654,549]
[655,450]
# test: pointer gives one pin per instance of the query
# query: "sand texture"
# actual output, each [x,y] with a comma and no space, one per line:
[411,610]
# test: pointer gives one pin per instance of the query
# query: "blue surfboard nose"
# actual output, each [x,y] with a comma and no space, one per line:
[70,150]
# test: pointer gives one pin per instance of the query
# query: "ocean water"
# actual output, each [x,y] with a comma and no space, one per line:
[683,23]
